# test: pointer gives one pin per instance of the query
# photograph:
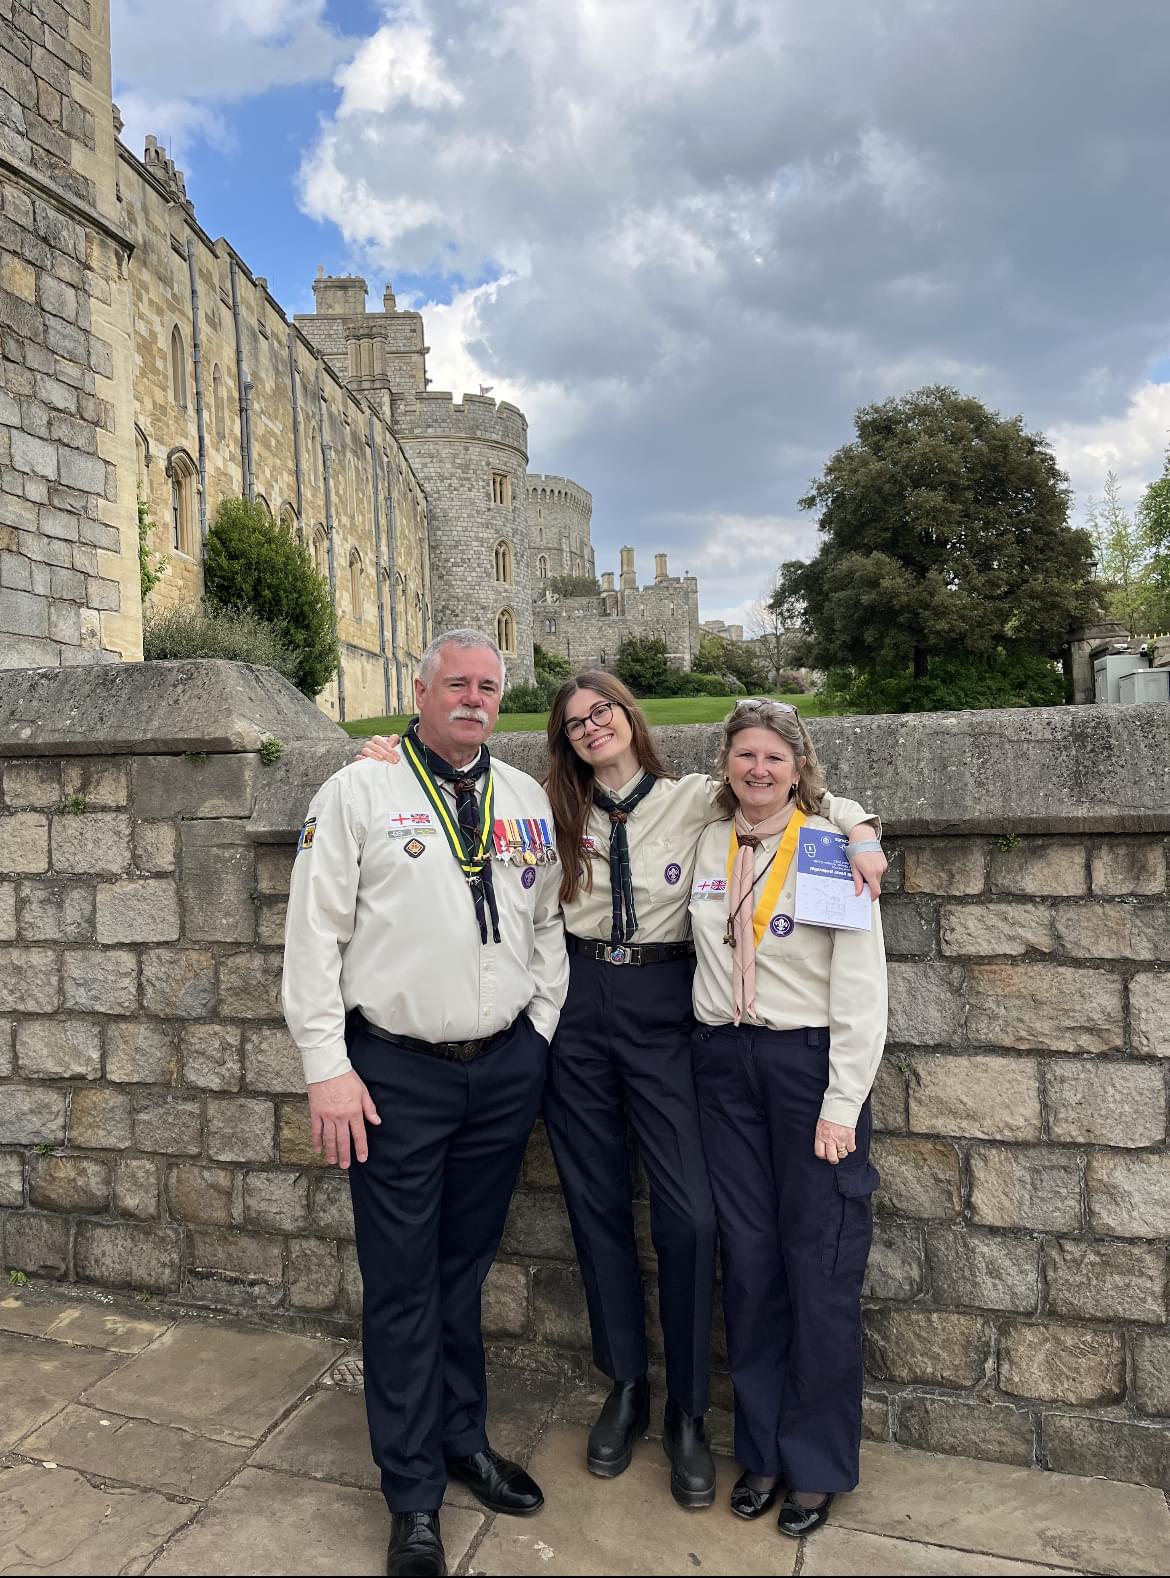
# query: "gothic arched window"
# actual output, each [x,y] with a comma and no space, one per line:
[504,563]
[506,631]
[178,368]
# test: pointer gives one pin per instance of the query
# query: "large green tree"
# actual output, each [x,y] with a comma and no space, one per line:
[1122,558]
[944,535]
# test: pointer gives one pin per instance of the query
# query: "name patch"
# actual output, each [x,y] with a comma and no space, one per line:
[305,839]
[709,888]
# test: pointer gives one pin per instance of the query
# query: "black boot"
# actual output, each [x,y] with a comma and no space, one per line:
[624,1417]
[416,1547]
[692,1468]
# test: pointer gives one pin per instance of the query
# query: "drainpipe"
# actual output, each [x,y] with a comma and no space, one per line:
[244,385]
[378,567]
[298,469]
[327,456]
[197,354]
[392,566]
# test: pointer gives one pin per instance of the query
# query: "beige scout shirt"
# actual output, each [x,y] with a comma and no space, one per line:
[812,976]
[663,835]
[380,919]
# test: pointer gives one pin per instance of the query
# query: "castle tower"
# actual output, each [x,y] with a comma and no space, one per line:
[379,354]
[660,571]
[629,577]
[559,515]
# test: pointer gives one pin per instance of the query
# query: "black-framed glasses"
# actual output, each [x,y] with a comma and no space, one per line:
[599,714]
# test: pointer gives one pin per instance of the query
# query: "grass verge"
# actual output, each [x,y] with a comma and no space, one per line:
[659,709]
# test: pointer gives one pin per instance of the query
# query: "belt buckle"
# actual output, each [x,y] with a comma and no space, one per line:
[619,954]
[462,1051]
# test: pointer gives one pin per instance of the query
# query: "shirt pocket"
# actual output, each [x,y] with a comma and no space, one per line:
[849,1225]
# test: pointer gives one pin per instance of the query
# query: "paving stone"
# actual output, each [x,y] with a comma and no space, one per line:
[221,1381]
[837,1550]
[966,1429]
[1088,1524]
[1084,1365]
[38,1377]
[920,1178]
[1030,1186]
[82,1325]
[1044,1007]
[268,1523]
[58,1522]
[989,1098]
[155,1456]
[1106,1103]
[326,1438]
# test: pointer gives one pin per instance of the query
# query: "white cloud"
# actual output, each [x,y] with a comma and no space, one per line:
[396,66]
[1132,442]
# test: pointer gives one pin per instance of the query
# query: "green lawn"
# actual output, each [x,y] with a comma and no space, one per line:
[659,709]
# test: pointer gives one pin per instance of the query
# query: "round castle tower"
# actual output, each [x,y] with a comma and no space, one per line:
[472,460]
[559,513]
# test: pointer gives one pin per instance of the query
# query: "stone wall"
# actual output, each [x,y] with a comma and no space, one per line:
[586,630]
[559,513]
[153,1123]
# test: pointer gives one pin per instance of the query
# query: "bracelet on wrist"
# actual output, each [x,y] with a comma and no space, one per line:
[863,846]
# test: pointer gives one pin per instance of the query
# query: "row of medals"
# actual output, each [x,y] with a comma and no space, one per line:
[514,853]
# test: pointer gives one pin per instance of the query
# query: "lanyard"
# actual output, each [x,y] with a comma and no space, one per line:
[471,862]
[780,863]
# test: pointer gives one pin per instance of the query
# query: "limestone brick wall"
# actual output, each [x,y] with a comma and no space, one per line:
[591,629]
[68,544]
[153,1123]
[559,513]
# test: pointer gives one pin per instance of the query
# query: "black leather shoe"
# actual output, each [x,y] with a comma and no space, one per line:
[692,1468]
[749,1503]
[624,1417]
[500,1485]
[797,1520]
[416,1547]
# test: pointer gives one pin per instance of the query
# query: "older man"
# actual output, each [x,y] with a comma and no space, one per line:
[425,970]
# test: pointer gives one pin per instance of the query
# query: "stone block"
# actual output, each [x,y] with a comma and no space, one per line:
[241,1257]
[505,1301]
[29,980]
[896,1268]
[211,1057]
[990,1098]
[100,980]
[983,930]
[908,926]
[945,865]
[1084,1365]
[1049,867]
[1124,930]
[540,1170]
[1151,1372]
[191,787]
[7,911]
[270,923]
[1080,1444]
[168,1125]
[926,1347]
[1120,867]
[988,1271]
[295,1137]
[314,1273]
[55,911]
[136,1189]
[139,909]
[206,1196]
[218,880]
[1105,1102]
[68,1183]
[99,1119]
[32,1116]
[59,1049]
[31,782]
[249,985]
[178,983]
[272,1062]
[559,1316]
[1149,1015]
[926,1004]
[92,843]
[277,1202]
[1026,1186]
[875,1416]
[991,1431]
[37,1245]
[1103,1281]
[119,1254]
[11,1180]
[331,1209]
[24,843]
[538,1225]
[240,1129]
[102,782]
[1129,1194]
[1032,1007]
[141,1052]
[155,845]
[920,1178]
[351,1280]
[274,865]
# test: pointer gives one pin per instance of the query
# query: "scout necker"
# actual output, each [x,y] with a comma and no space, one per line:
[425,970]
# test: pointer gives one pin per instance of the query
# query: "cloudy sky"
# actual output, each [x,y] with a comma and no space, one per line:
[690,237]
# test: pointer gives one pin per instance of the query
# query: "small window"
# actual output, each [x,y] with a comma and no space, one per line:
[355,583]
[183,480]
[178,368]
[501,488]
[320,550]
[217,404]
[542,567]
[504,563]
[550,626]
[506,631]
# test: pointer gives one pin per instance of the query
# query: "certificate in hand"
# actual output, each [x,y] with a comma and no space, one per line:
[824,884]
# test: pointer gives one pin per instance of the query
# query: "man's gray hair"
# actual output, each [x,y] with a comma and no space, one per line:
[467,639]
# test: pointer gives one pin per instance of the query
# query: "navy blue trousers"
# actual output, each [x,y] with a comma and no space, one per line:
[794,1236]
[623,1053]
[428,1209]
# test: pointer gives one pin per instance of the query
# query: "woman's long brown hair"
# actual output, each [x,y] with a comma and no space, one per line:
[570,780]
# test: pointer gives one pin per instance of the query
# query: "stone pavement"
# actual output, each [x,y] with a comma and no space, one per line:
[138,1441]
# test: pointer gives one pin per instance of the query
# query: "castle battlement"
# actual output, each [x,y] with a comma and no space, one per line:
[559,490]
[437,414]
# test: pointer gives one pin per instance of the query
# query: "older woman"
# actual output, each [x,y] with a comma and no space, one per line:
[791,1021]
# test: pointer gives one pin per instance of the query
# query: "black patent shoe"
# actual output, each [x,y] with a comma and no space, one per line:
[416,1547]
[797,1520]
[692,1468]
[497,1483]
[749,1503]
[625,1415]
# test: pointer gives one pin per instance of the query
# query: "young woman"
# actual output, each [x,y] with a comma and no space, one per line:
[791,1025]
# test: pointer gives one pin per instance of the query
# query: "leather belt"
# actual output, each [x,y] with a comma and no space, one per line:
[629,952]
[449,1051]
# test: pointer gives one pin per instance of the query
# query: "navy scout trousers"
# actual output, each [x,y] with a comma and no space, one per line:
[794,1236]
[623,1052]
[428,1208]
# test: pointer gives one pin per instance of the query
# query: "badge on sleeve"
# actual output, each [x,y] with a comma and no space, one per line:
[414,847]
[305,840]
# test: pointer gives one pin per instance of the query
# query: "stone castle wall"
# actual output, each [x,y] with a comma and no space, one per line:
[559,514]
[68,542]
[588,630]
[153,1129]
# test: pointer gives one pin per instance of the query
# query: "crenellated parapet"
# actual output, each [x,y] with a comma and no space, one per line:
[474,419]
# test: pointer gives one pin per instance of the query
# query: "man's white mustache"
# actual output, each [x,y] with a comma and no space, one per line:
[473,714]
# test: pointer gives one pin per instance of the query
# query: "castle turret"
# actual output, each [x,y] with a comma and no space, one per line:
[607,581]
[629,577]
[559,513]
[379,354]
[660,570]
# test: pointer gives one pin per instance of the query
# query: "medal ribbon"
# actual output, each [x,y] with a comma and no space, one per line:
[780,864]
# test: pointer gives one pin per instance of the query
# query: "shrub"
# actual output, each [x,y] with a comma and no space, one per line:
[1006,679]
[523,698]
[641,663]
[695,684]
[257,564]
[575,586]
[190,631]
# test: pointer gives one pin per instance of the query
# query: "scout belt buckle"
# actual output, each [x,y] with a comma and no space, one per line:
[619,954]
[462,1051]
